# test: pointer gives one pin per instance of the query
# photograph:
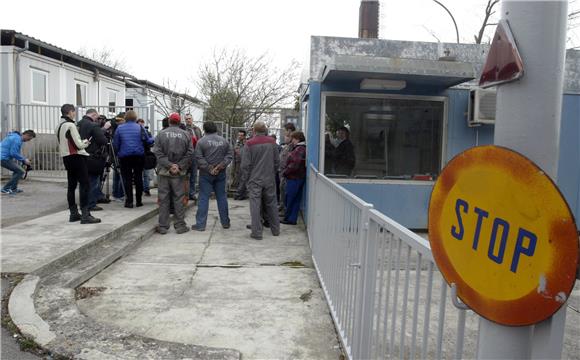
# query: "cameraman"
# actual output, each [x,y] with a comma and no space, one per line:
[11,146]
[90,130]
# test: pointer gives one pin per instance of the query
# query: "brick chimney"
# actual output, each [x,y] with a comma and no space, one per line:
[368,21]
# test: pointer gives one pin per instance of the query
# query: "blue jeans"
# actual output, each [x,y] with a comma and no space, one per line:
[17,174]
[192,178]
[294,189]
[207,184]
[117,186]
[95,192]
[146,179]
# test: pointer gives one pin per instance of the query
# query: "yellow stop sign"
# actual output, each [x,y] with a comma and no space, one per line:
[501,230]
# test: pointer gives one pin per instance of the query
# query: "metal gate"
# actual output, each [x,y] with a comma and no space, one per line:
[44,119]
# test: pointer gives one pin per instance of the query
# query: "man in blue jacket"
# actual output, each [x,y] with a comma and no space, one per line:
[10,151]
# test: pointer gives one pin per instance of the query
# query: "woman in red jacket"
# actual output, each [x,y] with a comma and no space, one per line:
[295,173]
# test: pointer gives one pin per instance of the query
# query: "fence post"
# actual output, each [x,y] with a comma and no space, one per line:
[152,119]
[365,288]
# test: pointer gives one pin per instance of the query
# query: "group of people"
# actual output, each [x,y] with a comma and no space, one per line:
[270,175]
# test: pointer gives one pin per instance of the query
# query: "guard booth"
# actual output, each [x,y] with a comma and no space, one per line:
[384,117]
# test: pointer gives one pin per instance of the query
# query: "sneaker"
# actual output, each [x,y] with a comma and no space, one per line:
[17,191]
[196,228]
[7,191]
[182,230]
[96,208]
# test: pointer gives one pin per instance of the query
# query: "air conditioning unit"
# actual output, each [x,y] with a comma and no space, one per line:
[481,108]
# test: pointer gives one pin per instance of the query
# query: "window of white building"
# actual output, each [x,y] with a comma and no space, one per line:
[112,101]
[379,137]
[81,93]
[39,86]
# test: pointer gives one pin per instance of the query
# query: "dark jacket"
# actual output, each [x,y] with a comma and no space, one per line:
[260,161]
[129,139]
[91,130]
[344,158]
[296,163]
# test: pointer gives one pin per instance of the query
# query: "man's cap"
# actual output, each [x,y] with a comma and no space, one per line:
[174,118]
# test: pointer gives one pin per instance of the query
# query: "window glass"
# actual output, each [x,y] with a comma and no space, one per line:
[112,101]
[371,138]
[81,94]
[39,82]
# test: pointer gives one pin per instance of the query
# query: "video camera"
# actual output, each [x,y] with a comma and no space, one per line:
[26,168]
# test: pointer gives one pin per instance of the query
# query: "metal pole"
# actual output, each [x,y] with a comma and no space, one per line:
[528,121]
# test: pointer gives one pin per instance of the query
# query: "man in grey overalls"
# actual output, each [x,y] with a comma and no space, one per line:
[260,161]
[174,150]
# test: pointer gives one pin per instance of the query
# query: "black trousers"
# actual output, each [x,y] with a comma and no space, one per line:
[132,171]
[77,172]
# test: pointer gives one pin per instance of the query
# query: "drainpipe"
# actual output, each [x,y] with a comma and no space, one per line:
[18,88]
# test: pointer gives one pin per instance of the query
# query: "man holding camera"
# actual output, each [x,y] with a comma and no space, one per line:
[72,150]
[90,130]
[10,153]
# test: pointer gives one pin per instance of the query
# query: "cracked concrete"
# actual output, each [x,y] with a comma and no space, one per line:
[211,289]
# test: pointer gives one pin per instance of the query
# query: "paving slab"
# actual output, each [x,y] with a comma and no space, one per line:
[35,243]
[220,288]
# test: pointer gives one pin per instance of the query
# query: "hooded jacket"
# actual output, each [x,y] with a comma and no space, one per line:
[10,147]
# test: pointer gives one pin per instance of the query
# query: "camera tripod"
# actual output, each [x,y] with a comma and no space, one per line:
[112,161]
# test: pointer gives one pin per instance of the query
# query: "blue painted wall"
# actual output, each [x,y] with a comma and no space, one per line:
[408,203]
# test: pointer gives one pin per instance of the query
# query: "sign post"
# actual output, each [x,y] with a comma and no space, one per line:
[528,120]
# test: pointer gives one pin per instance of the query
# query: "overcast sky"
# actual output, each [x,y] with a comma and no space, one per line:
[169,39]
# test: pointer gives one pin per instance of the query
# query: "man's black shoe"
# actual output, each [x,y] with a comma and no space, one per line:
[74,217]
[226,226]
[129,205]
[103,201]
[87,218]
[139,204]
[255,237]
[194,227]
[96,208]
[287,222]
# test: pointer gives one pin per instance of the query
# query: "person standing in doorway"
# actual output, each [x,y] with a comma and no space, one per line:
[213,154]
[129,143]
[173,149]
[295,178]
[72,150]
[10,154]
[260,162]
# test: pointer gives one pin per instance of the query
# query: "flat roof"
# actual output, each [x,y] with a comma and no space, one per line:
[416,72]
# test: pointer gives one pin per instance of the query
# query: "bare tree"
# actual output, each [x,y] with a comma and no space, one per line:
[170,100]
[239,88]
[488,13]
[105,56]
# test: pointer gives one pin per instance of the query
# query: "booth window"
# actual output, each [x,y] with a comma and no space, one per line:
[382,138]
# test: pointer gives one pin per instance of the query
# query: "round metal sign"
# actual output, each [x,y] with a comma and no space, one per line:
[501,231]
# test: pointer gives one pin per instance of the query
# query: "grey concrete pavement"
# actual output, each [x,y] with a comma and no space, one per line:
[38,199]
[29,245]
[220,288]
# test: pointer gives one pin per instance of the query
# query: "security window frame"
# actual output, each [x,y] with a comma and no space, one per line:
[44,73]
[322,130]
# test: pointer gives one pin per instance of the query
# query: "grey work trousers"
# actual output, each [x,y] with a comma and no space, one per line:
[265,195]
[175,188]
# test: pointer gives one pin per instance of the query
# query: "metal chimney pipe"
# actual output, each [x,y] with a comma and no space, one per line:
[368,21]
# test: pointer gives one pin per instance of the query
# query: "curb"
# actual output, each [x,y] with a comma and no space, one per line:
[23,313]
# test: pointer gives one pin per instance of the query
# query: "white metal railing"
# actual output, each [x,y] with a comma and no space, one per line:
[386,296]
